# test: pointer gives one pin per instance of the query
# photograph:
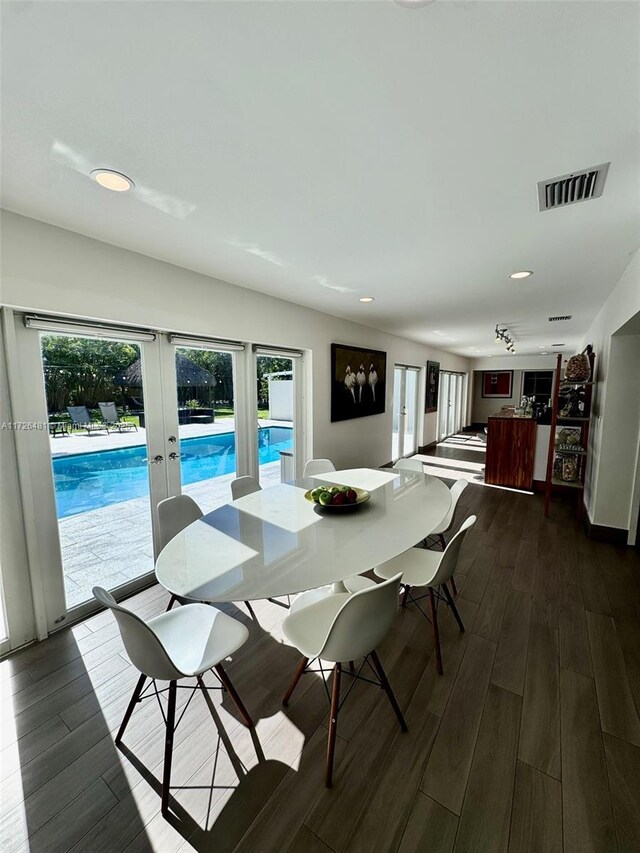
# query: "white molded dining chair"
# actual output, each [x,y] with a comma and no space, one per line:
[174,514]
[430,570]
[181,643]
[409,465]
[242,486]
[344,627]
[447,523]
[445,526]
[317,466]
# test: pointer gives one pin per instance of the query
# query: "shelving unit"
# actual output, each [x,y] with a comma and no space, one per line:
[581,422]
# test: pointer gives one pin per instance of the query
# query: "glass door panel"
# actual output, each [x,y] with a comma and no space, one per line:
[443,406]
[451,410]
[410,444]
[397,417]
[205,394]
[276,418]
[451,406]
[404,423]
[97,438]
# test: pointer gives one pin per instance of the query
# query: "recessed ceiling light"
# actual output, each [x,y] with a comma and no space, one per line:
[413,4]
[111,180]
[544,353]
[521,274]
[367,299]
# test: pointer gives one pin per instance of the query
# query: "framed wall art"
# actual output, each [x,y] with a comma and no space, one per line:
[433,385]
[497,383]
[358,382]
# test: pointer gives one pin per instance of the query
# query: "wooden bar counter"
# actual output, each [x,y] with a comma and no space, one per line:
[511,443]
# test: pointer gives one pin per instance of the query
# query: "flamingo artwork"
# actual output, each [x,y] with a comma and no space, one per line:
[361,379]
[373,380]
[350,381]
[358,382]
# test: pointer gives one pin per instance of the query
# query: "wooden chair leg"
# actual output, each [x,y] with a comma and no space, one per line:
[237,701]
[333,724]
[172,601]
[453,607]
[296,678]
[405,595]
[132,704]
[387,689]
[436,633]
[441,539]
[168,746]
[453,586]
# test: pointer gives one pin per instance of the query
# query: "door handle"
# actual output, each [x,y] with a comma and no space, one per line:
[156,460]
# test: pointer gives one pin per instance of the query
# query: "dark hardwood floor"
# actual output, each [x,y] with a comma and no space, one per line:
[529,741]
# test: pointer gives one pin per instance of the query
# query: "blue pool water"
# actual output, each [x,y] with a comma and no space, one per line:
[92,480]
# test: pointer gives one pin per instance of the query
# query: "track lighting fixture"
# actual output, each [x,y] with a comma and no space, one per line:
[503,336]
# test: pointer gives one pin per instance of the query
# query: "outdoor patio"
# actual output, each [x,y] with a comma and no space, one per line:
[112,545]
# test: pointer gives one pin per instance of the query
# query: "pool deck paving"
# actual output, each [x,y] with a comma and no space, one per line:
[113,545]
[82,442]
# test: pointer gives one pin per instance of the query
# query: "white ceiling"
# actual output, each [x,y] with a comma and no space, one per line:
[322,151]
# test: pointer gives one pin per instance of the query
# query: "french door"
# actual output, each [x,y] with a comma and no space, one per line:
[452,403]
[404,434]
[203,412]
[279,382]
[93,468]
[126,418]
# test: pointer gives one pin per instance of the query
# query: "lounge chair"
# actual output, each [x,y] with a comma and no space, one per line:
[112,419]
[81,419]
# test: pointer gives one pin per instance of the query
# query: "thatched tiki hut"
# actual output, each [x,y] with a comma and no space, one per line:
[195,384]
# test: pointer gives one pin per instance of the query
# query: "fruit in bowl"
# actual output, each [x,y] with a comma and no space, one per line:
[337,496]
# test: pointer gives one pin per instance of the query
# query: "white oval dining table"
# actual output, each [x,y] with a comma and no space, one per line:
[274,542]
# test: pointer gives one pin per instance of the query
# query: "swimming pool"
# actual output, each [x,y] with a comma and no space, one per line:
[89,481]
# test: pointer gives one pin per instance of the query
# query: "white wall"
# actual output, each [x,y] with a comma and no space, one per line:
[615,421]
[51,270]
[281,399]
[514,362]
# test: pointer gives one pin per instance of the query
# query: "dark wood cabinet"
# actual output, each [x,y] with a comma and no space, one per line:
[511,446]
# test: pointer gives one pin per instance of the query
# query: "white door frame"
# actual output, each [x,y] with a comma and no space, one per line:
[38,494]
[402,372]
[298,367]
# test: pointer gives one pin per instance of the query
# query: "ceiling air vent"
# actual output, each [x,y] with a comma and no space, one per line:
[560,317]
[569,189]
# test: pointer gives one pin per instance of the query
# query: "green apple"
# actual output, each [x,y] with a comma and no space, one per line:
[325,498]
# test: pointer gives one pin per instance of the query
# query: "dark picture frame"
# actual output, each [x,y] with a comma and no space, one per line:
[433,387]
[358,382]
[497,384]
